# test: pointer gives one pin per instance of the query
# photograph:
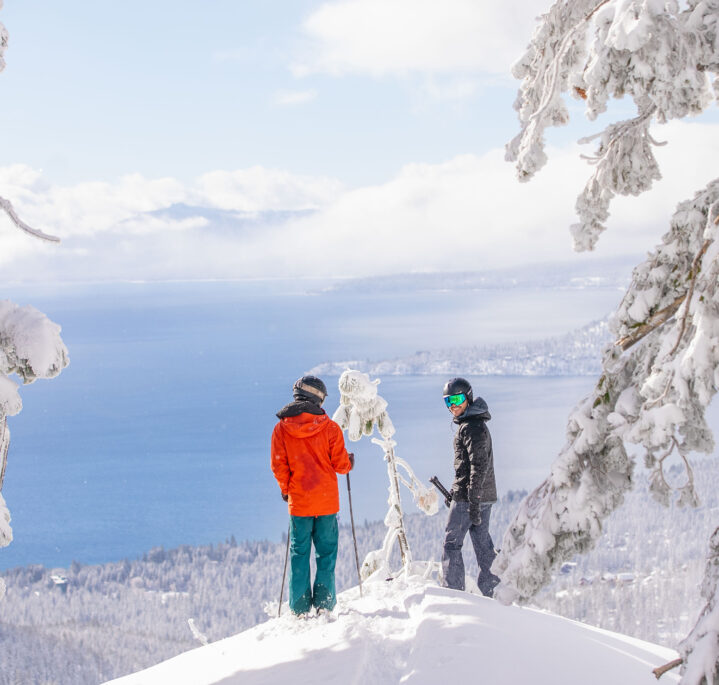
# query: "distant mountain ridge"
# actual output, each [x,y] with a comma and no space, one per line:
[593,273]
[226,220]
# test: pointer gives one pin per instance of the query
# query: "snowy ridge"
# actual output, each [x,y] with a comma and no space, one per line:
[410,630]
[577,353]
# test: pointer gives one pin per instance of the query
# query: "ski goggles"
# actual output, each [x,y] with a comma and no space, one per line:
[455,400]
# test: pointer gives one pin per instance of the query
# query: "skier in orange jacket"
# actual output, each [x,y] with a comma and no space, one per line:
[308,451]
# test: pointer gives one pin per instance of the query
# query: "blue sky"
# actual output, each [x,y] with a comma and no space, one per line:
[94,90]
[384,120]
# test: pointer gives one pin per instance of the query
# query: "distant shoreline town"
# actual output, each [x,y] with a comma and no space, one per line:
[577,353]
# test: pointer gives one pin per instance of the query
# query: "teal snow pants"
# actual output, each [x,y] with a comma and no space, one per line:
[322,532]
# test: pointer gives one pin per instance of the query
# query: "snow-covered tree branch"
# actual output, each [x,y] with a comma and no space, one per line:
[5,205]
[662,371]
[660,53]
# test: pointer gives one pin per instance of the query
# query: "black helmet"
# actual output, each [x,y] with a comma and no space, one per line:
[309,388]
[454,386]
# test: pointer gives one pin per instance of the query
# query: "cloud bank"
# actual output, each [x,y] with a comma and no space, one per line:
[381,37]
[466,213]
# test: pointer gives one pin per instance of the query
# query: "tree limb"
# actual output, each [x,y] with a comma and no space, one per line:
[559,56]
[654,322]
[8,209]
[665,314]
[661,670]
[693,275]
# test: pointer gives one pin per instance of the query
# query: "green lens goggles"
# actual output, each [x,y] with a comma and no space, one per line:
[455,400]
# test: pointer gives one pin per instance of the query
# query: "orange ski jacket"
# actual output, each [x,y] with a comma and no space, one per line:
[308,451]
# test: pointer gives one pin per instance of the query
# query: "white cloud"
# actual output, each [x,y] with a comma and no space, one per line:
[381,37]
[467,213]
[258,189]
[95,207]
[290,98]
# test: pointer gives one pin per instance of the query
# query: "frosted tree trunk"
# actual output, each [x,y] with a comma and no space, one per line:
[361,410]
[395,516]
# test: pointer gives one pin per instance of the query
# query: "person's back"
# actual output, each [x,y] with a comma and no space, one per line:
[309,445]
[308,451]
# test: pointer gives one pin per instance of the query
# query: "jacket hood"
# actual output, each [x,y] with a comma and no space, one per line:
[304,425]
[300,407]
[478,409]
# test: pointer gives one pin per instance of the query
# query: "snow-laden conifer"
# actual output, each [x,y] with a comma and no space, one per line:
[662,371]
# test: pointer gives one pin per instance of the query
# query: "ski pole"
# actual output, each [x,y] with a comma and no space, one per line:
[354,536]
[447,495]
[284,572]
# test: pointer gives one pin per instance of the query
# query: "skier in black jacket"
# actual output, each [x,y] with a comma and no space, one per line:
[474,489]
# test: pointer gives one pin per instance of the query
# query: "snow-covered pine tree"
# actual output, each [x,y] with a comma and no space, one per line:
[361,410]
[663,370]
[30,347]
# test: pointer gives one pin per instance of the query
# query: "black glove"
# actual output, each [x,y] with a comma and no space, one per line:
[475,515]
[285,496]
[448,502]
[352,459]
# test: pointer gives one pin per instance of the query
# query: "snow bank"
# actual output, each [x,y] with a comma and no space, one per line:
[412,631]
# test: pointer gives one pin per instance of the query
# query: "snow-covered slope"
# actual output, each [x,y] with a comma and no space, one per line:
[412,631]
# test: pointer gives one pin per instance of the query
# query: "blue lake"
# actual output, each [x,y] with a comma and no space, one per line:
[158,431]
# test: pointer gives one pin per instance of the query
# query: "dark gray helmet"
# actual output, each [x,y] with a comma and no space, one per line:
[310,388]
[454,386]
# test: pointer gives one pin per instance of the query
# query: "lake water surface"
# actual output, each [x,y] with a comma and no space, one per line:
[158,431]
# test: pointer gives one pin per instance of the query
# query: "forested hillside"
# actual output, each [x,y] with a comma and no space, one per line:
[84,624]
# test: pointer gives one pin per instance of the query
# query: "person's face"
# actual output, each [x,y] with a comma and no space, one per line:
[459,409]
[455,408]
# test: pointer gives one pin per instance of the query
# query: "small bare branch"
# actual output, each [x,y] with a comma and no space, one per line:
[650,403]
[619,130]
[661,670]
[7,207]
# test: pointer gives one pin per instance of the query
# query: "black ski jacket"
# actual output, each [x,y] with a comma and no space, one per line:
[473,460]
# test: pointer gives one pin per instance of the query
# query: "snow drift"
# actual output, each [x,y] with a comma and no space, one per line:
[410,630]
